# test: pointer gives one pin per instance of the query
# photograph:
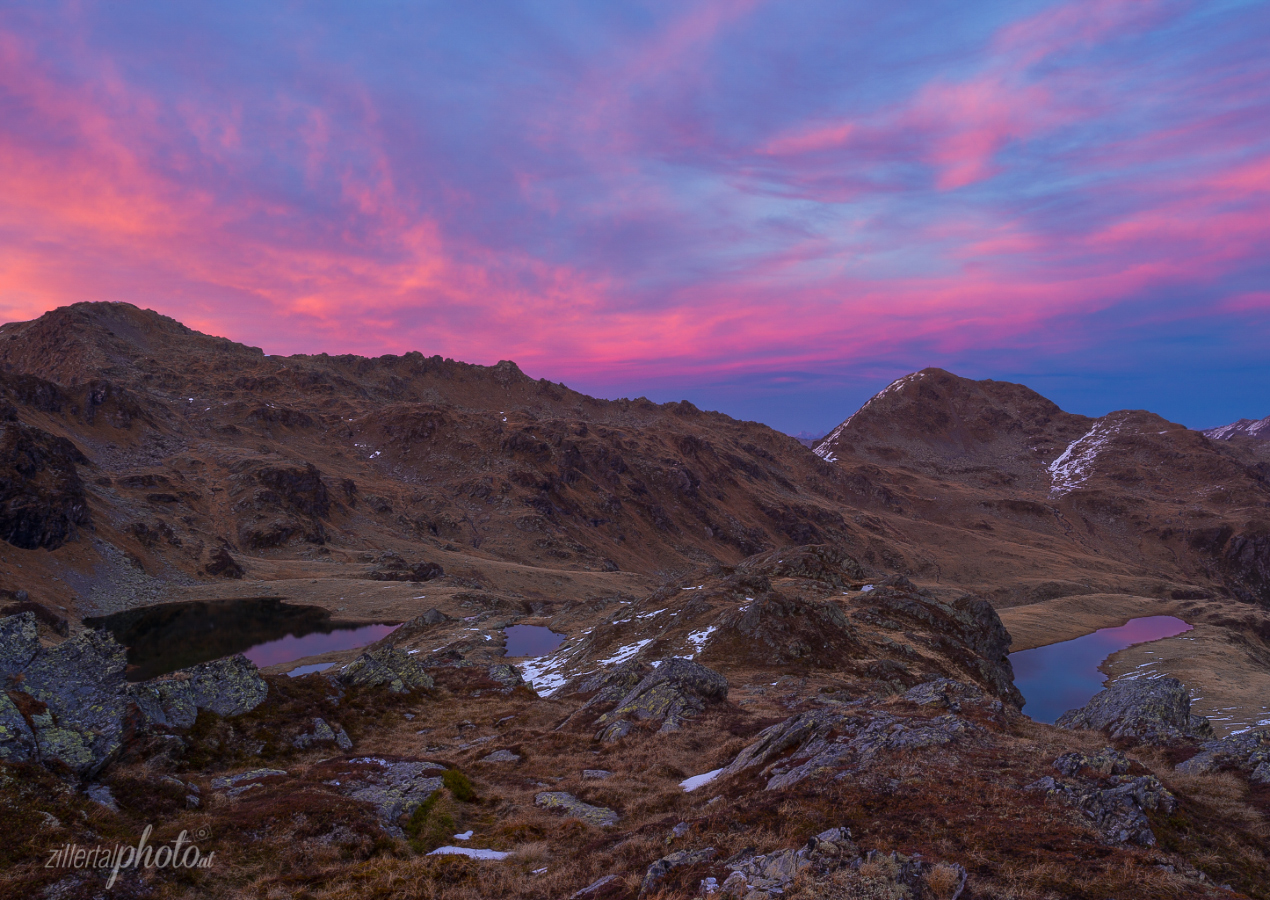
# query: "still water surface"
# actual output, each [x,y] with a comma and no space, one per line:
[531,640]
[1063,676]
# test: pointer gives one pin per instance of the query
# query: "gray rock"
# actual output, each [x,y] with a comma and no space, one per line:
[944,692]
[227,782]
[386,666]
[596,774]
[658,871]
[17,741]
[394,788]
[572,807]
[614,731]
[226,687]
[1119,810]
[1109,761]
[102,796]
[771,872]
[19,643]
[676,690]
[323,733]
[81,684]
[1152,711]
[1244,752]
[1261,774]
[506,675]
[830,745]
[501,756]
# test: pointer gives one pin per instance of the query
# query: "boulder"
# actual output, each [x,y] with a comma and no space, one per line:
[676,690]
[17,740]
[395,788]
[506,675]
[573,808]
[501,756]
[226,687]
[1150,711]
[387,666]
[1105,763]
[769,874]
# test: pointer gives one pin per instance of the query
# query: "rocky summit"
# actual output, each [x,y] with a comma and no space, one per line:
[409,627]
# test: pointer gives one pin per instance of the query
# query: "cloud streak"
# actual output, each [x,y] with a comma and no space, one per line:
[708,193]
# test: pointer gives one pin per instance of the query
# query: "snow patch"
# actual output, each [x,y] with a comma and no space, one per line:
[698,639]
[1074,466]
[625,653]
[469,851]
[696,781]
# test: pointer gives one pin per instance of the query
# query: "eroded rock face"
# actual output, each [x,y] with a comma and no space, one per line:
[676,690]
[1151,711]
[572,807]
[387,666]
[42,500]
[395,788]
[68,703]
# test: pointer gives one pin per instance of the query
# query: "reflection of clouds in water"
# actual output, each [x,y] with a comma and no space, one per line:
[1065,675]
[286,649]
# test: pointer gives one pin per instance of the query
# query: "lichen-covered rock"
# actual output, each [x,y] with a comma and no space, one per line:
[81,684]
[797,731]
[19,643]
[572,807]
[506,675]
[1151,711]
[1245,752]
[676,690]
[394,787]
[228,687]
[166,701]
[947,693]
[818,562]
[657,872]
[17,741]
[614,731]
[234,785]
[1118,810]
[768,874]
[386,666]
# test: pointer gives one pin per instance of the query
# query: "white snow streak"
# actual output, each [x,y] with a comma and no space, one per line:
[1076,463]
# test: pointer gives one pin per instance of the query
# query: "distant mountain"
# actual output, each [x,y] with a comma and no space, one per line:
[1253,428]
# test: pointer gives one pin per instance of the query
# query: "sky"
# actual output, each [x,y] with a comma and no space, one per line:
[771,209]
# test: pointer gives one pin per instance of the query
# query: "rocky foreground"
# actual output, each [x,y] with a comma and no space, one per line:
[906,771]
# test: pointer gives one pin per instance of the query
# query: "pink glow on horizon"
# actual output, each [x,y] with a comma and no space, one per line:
[623,224]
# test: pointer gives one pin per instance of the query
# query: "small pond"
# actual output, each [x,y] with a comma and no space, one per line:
[1063,676]
[531,640]
[267,630]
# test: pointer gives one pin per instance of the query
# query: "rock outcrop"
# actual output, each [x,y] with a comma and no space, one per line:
[70,698]
[828,744]
[967,630]
[386,666]
[657,872]
[395,788]
[226,687]
[1248,753]
[42,500]
[676,690]
[1117,806]
[323,733]
[1149,711]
